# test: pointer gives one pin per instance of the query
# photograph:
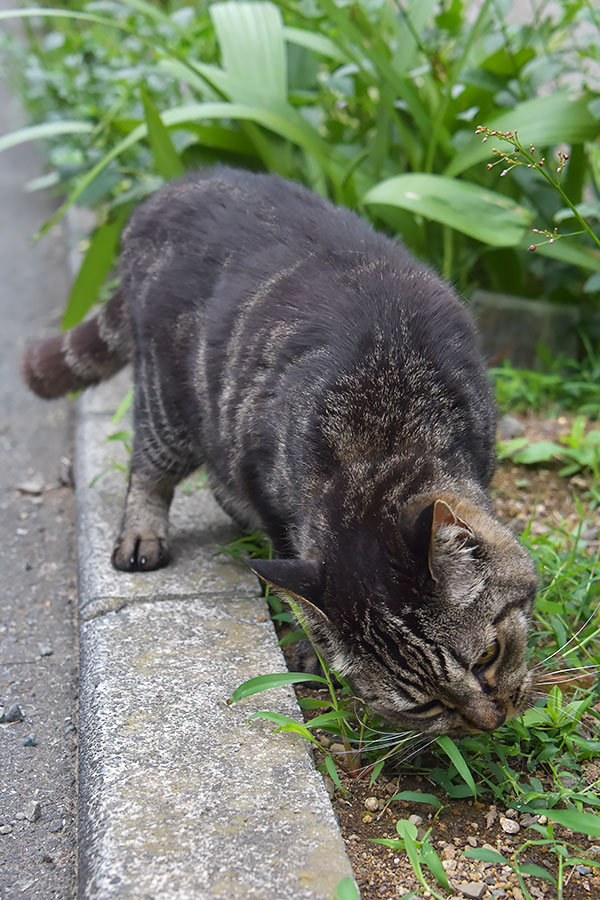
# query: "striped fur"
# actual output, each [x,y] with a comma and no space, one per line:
[331,385]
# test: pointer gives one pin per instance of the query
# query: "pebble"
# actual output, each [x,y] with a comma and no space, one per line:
[509,825]
[55,826]
[449,865]
[324,741]
[510,427]
[33,811]
[449,852]
[474,890]
[337,748]
[46,651]
[5,829]
[542,820]
[12,714]
[594,851]
[30,741]
[472,841]
[372,804]
[34,485]
[416,820]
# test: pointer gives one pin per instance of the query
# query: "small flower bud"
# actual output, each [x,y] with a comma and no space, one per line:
[532,247]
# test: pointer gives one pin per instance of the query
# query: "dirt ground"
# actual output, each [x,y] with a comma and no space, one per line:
[520,494]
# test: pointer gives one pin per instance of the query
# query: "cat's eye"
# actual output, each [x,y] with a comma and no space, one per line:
[432,706]
[489,655]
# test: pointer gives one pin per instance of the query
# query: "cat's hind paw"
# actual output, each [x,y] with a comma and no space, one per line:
[134,552]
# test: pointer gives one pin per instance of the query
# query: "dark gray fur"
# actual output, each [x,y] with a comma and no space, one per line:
[332,387]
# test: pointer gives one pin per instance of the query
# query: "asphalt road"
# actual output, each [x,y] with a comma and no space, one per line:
[38,651]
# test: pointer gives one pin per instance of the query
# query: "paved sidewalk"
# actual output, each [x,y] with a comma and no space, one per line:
[38,658]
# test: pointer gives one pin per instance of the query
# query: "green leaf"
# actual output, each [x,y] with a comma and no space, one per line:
[252,44]
[317,43]
[285,723]
[165,155]
[452,751]
[96,265]
[485,215]
[416,797]
[537,872]
[333,772]
[406,829]
[265,682]
[430,858]
[123,407]
[543,121]
[346,890]
[538,452]
[376,772]
[484,855]
[583,822]
[40,132]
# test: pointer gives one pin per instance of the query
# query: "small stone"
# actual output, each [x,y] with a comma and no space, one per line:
[448,852]
[30,741]
[337,748]
[449,865]
[472,841]
[583,870]
[366,819]
[511,813]
[33,811]
[491,816]
[569,781]
[517,893]
[5,829]
[594,851]
[510,427]
[542,820]
[324,741]
[509,825]
[416,820]
[13,713]
[372,804]
[33,485]
[55,825]
[474,890]
[46,650]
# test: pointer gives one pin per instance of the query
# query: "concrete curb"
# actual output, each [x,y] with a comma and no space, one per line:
[179,795]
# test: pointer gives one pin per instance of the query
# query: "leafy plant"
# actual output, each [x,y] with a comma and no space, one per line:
[372,104]
[578,451]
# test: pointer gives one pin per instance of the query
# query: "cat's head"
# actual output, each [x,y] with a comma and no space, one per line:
[428,622]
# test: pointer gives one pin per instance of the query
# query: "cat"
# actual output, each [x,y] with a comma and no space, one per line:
[332,386]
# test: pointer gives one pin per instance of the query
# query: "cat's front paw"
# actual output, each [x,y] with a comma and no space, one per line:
[140,552]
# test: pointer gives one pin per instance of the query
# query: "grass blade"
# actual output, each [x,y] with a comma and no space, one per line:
[452,751]
[166,158]
[266,682]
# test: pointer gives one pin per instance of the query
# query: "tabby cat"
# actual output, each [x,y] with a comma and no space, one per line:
[331,385]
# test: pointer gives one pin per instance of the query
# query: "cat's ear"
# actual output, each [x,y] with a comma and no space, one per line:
[303,579]
[446,544]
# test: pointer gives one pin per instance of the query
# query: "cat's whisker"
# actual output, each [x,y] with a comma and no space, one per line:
[571,639]
[595,666]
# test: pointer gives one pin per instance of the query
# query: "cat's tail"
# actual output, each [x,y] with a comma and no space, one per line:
[84,355]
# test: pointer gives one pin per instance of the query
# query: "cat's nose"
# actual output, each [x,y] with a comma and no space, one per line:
[483,713]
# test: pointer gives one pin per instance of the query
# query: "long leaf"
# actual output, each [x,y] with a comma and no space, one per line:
[485,215]
[452,751]
[583,822]
[252,45]
[317,43]
[96,265]
[165,155]
[416,797]
[294,131]
[40,132]
[544,121]
[264,682]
